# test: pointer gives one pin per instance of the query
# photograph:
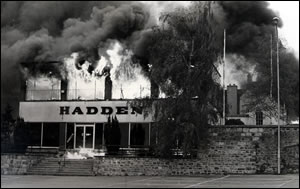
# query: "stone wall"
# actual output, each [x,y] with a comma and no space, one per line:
[15,164]
[244,148]
[232,150]
[267,145]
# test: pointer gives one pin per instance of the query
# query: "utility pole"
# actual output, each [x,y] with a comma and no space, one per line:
[271,89]
[276,19]
[95,95]
[224,77]
[122,95]
[75,87]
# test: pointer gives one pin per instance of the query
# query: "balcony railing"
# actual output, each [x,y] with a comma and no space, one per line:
[45,94]
[117,93]
[86,94]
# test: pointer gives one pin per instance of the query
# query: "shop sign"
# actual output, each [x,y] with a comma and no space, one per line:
[81,111]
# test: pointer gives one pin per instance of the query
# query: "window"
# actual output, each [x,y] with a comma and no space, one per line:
[117,135]
[99,135]
[43,88]
[80,89]
[139,134]
[259,118]
[124,127]
[51,134]
[34,134]
[70,136]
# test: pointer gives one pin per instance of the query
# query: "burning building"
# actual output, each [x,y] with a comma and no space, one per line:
[68,105]
[73,112]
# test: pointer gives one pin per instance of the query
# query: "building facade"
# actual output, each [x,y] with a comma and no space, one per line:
[239,106]
[58,120]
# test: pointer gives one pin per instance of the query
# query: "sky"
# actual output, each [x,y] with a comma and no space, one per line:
[289,13]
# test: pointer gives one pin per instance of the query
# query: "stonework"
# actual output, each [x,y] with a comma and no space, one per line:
[14,164]
[231,150]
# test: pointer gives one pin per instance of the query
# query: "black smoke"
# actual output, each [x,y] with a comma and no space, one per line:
[249,26]
[36,34]
[246,22]
[39,33]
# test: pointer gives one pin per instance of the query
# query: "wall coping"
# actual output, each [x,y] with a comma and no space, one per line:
[254,126]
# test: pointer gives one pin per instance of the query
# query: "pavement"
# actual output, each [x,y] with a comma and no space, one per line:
[216,181]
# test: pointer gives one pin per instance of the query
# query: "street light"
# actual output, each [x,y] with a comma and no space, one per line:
[224,60]
[275,21]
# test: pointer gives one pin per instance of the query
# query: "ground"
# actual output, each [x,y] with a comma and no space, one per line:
[229,181]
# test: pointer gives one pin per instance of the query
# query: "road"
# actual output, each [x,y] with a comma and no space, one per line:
[217,181]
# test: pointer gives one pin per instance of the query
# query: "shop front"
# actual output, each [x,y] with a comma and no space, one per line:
[73,125]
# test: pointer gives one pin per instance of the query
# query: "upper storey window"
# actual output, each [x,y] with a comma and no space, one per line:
[43,88]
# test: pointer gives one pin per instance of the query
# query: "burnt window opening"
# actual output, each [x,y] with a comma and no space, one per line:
[43,88]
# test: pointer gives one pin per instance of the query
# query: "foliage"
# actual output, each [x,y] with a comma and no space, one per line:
[7,124]
[112,135]
[262,103]
[183,57]
[21,134]
[14,133]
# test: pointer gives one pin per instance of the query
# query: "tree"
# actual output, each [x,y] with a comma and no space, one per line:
[112,135]
[183,57]
[262,103]
[21,135]
[7,124]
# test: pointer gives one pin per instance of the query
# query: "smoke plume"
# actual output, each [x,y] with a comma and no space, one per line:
[249,26]
[37,34]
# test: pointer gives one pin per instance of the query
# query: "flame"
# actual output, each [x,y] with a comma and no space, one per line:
[82,84]
[83,153]
[127,78]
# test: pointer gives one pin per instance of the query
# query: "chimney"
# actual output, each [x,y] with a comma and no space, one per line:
[23,89]
[232,98]
[154,89]
[64,89]
[23,82]
[108,88]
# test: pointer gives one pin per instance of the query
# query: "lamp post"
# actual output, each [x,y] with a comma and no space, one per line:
[271,66]
[224,60]
[275,21]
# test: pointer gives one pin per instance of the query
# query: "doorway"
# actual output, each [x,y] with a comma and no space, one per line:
[84,136]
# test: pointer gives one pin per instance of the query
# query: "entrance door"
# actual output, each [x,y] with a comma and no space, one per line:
[84,136]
